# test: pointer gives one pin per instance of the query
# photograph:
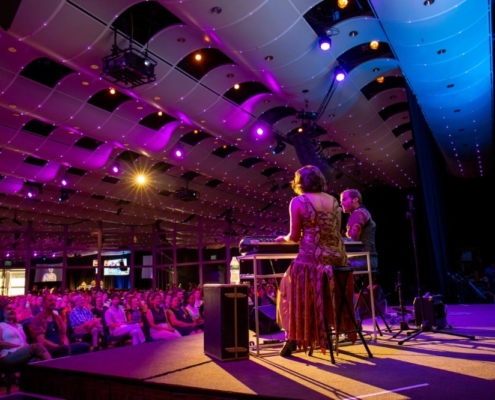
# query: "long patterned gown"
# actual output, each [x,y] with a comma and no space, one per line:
[307,290]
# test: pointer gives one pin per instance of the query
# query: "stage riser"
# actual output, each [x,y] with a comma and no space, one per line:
[66,385]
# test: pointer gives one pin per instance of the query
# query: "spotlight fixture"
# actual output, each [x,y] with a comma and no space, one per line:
[64,195]
[374,44]
[64,181]
[178,151]
[339,74]
[119,210]
[115,168]
[325,43]
[30,189]
[279,147]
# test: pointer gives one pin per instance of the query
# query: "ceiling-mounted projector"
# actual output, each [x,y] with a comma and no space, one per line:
[128,68]
[184,194]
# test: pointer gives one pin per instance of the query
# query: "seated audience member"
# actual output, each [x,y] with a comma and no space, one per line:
[106,301]
[24,314]
[134,313]
[167,302]
[157,319]
[59,307]
[180,295]
[48,329]
[270,292]
[99,309]
[36,305]
[263,299]
[83,322]
[198,298]
[181,320]
[116,321]
[193,311]
[14,349]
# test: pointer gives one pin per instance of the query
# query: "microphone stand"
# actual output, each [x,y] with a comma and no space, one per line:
[424,325]
[403,323]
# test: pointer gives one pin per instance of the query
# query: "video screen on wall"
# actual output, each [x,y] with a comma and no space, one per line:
[114,267]
[48,274]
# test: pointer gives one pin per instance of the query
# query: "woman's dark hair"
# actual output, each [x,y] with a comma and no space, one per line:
[309,179]
[114,295]
[153,296]
[3,304]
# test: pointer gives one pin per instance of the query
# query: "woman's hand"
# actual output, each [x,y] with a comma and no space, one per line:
[280,239]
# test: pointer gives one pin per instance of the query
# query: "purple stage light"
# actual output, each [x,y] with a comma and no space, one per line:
[339,74]
[325,43]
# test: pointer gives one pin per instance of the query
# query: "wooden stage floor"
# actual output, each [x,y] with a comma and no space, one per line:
[431,366]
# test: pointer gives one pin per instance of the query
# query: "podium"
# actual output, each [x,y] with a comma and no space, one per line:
[226,326]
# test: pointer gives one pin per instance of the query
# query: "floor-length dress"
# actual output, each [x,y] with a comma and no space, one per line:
[307,290]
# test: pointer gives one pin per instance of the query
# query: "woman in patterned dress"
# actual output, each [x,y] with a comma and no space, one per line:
[307,288]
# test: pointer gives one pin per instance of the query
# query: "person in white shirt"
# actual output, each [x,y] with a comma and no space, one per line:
[116,321]
[14,349]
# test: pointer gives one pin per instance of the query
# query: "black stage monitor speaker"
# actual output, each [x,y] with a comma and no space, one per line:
[267,317]
[434,310]
[226,333]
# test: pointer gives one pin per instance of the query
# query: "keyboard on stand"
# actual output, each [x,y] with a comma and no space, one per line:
[267,245]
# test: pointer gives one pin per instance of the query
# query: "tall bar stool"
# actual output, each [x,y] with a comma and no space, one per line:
[341,276]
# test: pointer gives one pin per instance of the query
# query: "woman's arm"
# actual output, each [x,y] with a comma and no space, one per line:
[175,322]
[151,321]
[294,235]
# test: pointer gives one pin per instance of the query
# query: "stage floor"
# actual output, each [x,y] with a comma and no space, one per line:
[430,366]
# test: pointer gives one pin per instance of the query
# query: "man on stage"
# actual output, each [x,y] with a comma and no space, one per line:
[360,228]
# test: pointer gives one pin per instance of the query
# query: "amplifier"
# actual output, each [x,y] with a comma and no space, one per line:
[434,310]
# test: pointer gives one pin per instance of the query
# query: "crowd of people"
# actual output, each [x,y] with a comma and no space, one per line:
[42,325]
[47,324]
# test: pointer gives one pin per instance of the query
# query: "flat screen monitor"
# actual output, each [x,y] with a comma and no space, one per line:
[117,267]
[48,274]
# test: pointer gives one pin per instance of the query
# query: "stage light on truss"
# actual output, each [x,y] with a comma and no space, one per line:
[260,131]
[325,43]
[64,195]
[279,147]
[178,151]
[64,181]
[339,74]
[115,167]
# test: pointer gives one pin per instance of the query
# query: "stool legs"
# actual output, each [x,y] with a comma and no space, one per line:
[341,277]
